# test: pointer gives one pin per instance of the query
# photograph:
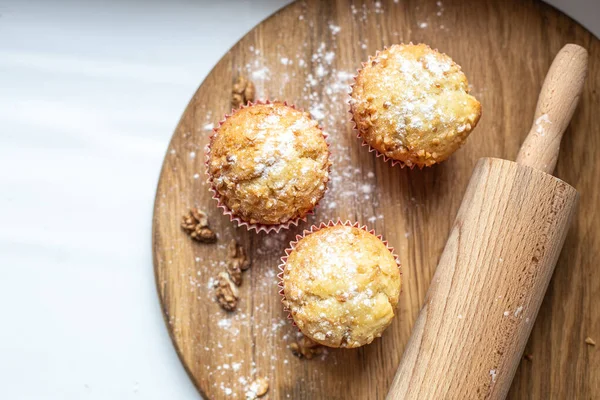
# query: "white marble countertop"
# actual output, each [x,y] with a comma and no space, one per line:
[90,93]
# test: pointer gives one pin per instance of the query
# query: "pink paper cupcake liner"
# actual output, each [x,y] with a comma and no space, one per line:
[217,196]
[312,230]
[364,143]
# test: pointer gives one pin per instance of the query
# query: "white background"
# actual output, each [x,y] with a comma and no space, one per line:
[89,97]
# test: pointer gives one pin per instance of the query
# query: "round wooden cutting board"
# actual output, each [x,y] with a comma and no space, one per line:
[307,54]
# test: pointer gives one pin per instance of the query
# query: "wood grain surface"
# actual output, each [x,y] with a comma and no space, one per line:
[488,286]
[305,54]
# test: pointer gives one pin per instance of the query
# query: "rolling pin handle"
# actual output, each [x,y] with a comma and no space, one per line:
[557,102]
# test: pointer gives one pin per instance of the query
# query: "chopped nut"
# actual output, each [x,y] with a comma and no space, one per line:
[242,92]
[195,223]
[249,92]
[237,100]
[306,348]
[257,389]
[590,341]
[199,216]
[235,273]
[236,252]
[240,85]
[227,292]
[236,261]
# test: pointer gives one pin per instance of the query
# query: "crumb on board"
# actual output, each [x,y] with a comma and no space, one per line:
[589,341]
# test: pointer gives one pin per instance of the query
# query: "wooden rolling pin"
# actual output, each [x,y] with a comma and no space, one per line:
[489,284]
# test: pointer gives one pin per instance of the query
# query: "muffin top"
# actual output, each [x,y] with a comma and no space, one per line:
[341,285]
[412,104]
[269,163]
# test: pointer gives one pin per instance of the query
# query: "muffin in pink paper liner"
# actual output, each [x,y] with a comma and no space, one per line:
[411,104]
[340,283]
[268,165]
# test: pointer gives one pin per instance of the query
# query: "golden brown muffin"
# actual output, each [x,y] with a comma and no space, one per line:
[412,104]
[269,163]
[341,285]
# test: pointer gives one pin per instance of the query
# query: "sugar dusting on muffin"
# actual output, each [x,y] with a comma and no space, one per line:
[341,285]
[412,104]
[269,163]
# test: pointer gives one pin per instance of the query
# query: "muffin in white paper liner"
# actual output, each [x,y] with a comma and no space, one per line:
[376,329]
[258,227]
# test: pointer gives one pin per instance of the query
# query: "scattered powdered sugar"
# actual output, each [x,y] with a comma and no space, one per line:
[211,283]
[316,111]
[431,21]
[262,73]
[378,7]
[272,244]
[334,29]
[493,374]
[518,311]
[224,323]
[542,123]
[329,56]
[440,7]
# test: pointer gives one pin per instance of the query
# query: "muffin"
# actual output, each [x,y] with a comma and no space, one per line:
[412,105]
[268,165]
[341,285]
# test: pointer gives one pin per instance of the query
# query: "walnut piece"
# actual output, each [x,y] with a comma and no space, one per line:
[227,292]
[237,261]
[242,92]
[304,347]
[257,389]
[195,223]
[234,274]
[237,254]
